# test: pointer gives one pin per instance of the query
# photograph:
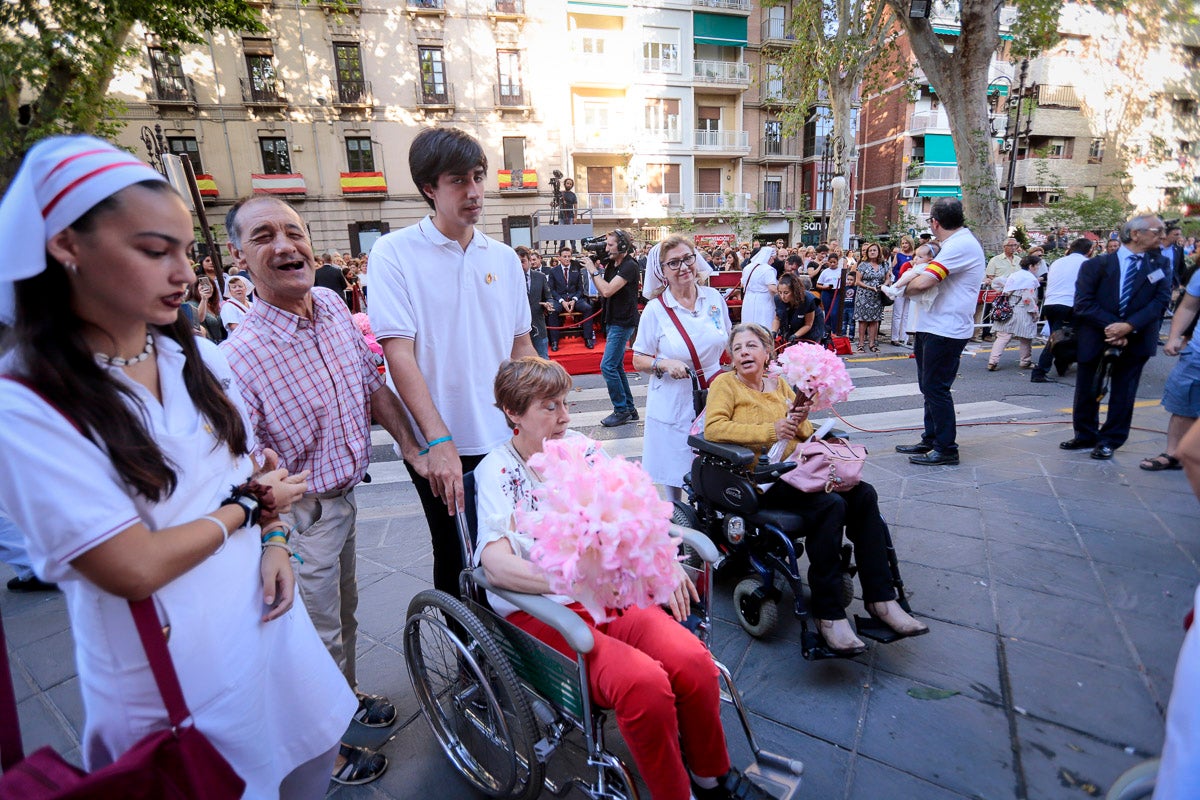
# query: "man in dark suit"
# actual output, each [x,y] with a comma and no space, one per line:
[1120,299]
[569,286]
[330,276]
[540,300]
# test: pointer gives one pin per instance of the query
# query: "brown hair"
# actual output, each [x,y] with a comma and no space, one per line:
[762,334]
[520,382]
[673,241]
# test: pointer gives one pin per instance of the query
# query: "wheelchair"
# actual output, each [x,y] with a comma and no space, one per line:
[723,502]
[506,708]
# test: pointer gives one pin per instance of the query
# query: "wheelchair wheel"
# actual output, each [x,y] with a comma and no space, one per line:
[757,611]
[471,697]
[1135,783]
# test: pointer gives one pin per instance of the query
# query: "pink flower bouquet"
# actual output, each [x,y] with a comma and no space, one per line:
[816,373]
[601,533]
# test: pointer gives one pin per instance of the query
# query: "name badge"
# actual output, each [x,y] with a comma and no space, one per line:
[1156,276]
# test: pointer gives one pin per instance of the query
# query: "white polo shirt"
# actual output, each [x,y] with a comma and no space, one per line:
[1060,285]
[960,265]
[462,310]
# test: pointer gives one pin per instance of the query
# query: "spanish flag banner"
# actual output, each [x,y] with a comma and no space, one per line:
[526,179]
[291,183]
[363,182]
[207,186]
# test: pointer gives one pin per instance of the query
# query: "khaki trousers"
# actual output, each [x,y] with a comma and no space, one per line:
[325,538]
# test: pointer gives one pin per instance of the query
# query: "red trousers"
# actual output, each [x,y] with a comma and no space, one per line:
[663,685]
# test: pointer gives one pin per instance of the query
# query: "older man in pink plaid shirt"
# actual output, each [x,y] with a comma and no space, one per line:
[312,385]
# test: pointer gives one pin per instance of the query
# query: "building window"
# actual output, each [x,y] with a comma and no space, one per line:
[662,117]
[660,49]
[347,58]
[592,44]
[773,138]
[1183,107]
[508,68]
[708,118]
[186,146]
[776,23]
[169,80]
[433,74]
[275,156]
[1096,152]
[773,83]
[359,156]
[663,180]
[772,194]
[1191,56]
[595,116]
[260,66]
[514,155]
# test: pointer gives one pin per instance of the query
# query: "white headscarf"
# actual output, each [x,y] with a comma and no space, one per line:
[60,179]
[654,274]
[231,278]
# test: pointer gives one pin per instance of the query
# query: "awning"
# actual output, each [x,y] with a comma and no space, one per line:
[363,183]
[939,149]
[939,191]
[719,29]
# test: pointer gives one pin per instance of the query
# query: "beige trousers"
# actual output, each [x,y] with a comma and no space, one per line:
[325,539]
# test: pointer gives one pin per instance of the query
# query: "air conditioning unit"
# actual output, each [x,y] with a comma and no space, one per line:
[1005,147]
[908,192]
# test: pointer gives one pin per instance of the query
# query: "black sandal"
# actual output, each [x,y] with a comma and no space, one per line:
[360,766]
[1153,464]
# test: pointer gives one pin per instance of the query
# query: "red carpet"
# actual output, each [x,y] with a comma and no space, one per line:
[578,360]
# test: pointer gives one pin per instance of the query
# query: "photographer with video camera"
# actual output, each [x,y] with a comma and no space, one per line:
[569,286]
[616,279]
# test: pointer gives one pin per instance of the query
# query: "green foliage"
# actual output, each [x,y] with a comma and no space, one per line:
[57,58]
[1078,212]
[1021,235]
[865,226]
[745,224]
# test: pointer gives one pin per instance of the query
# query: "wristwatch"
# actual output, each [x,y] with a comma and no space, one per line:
[249,504]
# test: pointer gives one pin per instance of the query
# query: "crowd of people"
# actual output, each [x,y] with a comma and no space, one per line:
[193,454]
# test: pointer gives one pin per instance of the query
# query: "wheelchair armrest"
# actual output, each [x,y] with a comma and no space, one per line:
[696,540]
[771,472]
[735,454]
[562,619]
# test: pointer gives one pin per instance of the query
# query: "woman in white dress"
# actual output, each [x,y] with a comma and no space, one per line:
[1021,289]
[114,400]
[237,302]
[758,289]
[661,351]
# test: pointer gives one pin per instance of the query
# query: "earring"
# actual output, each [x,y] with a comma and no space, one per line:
[71,267]
[516,430]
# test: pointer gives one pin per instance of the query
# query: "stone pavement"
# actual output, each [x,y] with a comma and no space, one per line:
[1054,585]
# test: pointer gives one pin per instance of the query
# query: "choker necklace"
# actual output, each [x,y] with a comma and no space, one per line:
[117,361]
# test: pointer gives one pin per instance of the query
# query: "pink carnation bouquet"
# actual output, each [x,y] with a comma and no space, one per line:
[816,374]
[601,533]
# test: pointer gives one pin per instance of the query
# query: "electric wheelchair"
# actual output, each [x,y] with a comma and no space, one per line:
[506,708]
[723,501]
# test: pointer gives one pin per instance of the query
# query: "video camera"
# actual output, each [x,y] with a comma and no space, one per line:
[596,245]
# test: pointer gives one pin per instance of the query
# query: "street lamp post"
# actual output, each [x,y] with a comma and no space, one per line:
[1014,102]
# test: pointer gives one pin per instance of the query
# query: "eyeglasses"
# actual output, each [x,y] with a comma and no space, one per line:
[675,264]
[1155,231]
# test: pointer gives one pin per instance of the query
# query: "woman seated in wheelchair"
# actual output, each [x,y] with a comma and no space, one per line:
[658,677]
[748,407]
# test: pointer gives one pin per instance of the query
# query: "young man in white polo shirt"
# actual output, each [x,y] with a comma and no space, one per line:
[944,330]
[448,304]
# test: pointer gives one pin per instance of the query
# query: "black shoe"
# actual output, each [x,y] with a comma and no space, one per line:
[374,711]
[590,345]
[935,458]
[910,449]
[633,415]
[733,785]
[1035,378]
[34,584]
[360,766]
[1076,444]
[1102,452]
[616,418]
[554,348]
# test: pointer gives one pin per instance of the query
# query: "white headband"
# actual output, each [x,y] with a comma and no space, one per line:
[60,179]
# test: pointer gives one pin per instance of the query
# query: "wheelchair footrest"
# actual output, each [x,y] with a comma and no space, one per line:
[782,784]
[873,629]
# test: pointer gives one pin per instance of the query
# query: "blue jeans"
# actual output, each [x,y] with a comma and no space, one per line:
[937,366]
[612,367]
[542,345]
[12,548]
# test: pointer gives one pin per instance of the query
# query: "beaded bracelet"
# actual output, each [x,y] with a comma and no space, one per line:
[435,443]
[224,531]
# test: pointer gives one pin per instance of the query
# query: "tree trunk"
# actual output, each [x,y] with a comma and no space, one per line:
[841,97]
[960,79]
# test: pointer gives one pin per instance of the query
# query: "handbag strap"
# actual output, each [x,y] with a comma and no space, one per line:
[11,750]
[686,340]
[149,629]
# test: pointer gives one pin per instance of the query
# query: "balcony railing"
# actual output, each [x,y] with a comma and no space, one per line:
[602,203]
[425,6]
[928,120]
[511,96]
[179,90]
[263,92]
[435,96]
[774,31]
[722,140]
[667,135]
[668,200]
[715,203]
[650,64]
[933,173]
[614,138]
[354,93]
[732,72]
[769,147]
[507,8]
[1058,96]
[776,201]
[731,5]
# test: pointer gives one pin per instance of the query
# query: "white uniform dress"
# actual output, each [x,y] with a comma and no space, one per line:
[669,413]
[758,304]
[267,695]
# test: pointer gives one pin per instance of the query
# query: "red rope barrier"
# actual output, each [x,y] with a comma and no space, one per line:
[574,325]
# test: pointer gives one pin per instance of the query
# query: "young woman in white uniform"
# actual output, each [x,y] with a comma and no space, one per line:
[759,288]
[143,503]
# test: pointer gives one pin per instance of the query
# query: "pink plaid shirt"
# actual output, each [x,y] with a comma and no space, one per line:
[308,386]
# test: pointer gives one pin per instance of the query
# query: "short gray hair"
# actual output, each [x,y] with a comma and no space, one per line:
[1132,225]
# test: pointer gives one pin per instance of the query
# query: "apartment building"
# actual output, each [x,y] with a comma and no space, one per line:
[321,107]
